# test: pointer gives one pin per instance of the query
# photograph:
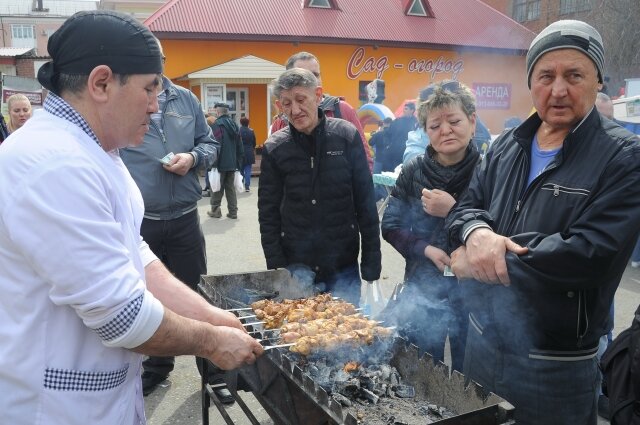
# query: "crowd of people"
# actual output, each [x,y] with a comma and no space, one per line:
[514,249]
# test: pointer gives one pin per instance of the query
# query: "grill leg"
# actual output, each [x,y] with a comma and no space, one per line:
[206,402]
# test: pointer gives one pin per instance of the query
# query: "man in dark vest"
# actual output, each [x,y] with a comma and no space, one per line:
[226,131]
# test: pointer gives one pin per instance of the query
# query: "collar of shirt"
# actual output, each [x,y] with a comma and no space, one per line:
[57,106]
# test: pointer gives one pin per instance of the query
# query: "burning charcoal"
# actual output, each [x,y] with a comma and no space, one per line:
[349,388]
[394,378]
[342,399]
[404,391]
[369,395]
[381,389]
[385,370]
[368,382]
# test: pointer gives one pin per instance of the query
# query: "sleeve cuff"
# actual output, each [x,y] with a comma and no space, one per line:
[146,255]
[195,159]
[144,326]
[470,227]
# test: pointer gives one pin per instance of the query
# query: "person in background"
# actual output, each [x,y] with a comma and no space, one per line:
[377,142]
[315,200]
[332,106]
[4,131]
[171,191]
[545,231]
[430,306]
[84,298]
[604,105]
[396,137]
[20,111]
[226,131]
[249,144]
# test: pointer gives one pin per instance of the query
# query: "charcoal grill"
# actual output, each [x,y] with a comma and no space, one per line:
[292,397]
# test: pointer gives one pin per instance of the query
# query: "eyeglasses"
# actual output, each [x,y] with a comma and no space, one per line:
[164,59]
[453,86]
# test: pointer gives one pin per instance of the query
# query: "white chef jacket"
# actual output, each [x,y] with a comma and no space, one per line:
[72,291]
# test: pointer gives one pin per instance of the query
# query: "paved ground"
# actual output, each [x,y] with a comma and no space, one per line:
[233,246]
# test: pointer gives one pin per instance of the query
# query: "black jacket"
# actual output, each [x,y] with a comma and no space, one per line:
[579,219]
[226,131]
[409,229]
[315,200]
[249,144]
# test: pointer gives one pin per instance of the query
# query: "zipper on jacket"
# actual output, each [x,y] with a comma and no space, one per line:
[526,192]
[312,163]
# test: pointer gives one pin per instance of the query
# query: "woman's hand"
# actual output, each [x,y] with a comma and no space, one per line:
[437,202]
[437,257]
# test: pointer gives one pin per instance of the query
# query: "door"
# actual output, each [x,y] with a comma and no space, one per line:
[238,101]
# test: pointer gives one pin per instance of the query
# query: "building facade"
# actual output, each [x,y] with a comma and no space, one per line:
[232,50]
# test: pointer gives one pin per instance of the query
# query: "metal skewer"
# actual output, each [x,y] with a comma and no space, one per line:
[253,323]
[269,347]
[239,309]
[247,317]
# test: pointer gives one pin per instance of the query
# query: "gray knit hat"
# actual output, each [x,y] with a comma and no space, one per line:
[567,34]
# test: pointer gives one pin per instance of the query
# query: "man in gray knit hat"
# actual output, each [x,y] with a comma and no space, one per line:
[544,234]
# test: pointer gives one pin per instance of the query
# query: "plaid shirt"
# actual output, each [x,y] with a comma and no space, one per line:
[57,106]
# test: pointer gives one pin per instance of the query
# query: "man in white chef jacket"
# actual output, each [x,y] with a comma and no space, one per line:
[83,297]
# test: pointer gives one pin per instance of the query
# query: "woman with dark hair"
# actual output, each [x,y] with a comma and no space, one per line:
[427,188]
[249,143]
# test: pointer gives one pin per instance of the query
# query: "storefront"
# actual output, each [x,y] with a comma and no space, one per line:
[239,71]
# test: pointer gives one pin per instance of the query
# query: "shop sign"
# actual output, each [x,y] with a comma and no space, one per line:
[492,95]
[359,64]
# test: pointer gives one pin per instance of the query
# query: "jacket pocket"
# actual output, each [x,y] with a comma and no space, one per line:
[77,397]
[558,190]
[80,380]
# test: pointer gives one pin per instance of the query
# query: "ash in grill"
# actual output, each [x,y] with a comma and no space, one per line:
[313,391]
[372,392]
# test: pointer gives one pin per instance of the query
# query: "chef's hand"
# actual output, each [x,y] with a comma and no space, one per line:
[180,164]
[437,257]
[437,202]
[230,348]
[221,317]
[486,253]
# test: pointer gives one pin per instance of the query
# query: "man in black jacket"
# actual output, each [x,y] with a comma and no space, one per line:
[547,227]
[315,198]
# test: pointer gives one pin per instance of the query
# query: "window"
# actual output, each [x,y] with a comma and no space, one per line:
[573,6]
[320,3]
[23,36]
[417,9]
[526,10]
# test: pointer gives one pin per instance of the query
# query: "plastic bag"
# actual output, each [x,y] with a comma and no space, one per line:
[214,180]
[373,301]
[238,181]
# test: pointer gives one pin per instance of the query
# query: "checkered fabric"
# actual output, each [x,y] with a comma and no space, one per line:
[79,380]
[57,106]
[122,322]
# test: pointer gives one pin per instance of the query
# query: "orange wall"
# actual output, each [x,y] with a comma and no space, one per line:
[341,72]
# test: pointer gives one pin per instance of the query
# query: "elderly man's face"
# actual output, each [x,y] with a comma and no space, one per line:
[564,85]
[300,105]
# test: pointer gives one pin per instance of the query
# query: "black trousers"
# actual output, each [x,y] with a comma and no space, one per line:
[180,245]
